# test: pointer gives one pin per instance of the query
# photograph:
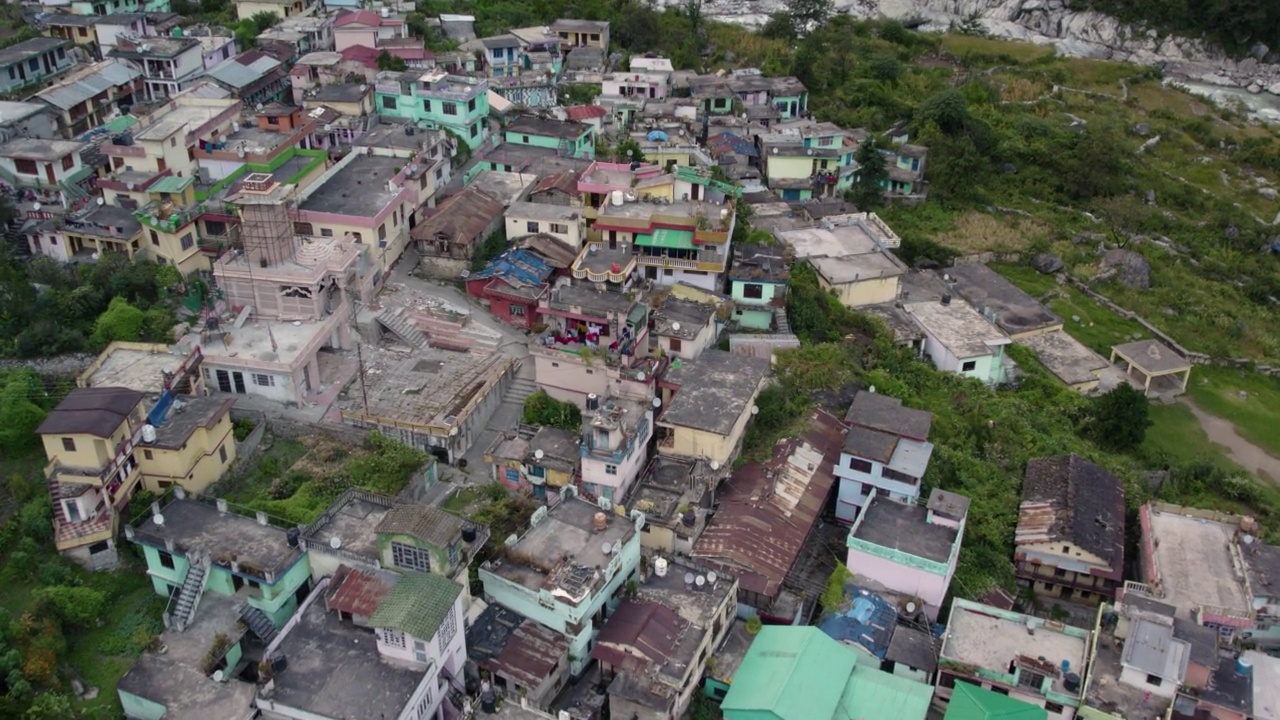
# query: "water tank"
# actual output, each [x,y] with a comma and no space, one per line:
[148,433]
[946,299]
[468,533]
[279,664]
[291,536]
[386,11]
[660,567]
[1244,666]
[617,197]
[1071,682]
[601,521]
[177,32]
[593,402]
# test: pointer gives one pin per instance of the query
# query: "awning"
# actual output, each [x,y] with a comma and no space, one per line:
[667,238]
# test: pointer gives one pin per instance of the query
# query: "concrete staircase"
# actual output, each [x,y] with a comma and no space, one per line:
[401,324]
[258,622]
[519,389]
[783,327]
[14,238]
[189,596]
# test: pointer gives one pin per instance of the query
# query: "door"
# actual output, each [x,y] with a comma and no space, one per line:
[48,174]
[224,381]
[160,163]
[238,377]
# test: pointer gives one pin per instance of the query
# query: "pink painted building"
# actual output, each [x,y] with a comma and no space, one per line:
[907,548]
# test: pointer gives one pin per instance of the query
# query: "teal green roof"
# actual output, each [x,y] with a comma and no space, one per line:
[875,694]
[120,124]
[790,673]
[170,184]
[417,604]
[667,238]
[970,702]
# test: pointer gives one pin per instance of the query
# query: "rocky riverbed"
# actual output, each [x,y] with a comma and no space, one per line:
[1074,33]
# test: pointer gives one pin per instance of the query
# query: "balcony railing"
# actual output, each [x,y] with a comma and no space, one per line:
[682,264]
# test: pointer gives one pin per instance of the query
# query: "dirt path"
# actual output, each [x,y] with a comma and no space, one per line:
[1241,451]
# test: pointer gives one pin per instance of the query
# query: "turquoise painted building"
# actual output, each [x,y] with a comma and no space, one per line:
[502,56]
[559,574]
[456,103]
[758,285]
[569,139]
[193,548]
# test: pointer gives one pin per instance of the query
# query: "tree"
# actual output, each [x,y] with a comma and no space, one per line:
[780,26]
[948,109]
[542,409]
[21,396]
[1120,418]
[873,174]
[74,606]
[807,15]
[121,321]
[628,150]
[387,61]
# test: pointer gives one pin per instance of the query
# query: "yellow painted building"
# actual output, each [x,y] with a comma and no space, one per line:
[192,449]
[707,416]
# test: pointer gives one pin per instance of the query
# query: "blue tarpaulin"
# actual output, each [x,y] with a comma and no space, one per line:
[657,136]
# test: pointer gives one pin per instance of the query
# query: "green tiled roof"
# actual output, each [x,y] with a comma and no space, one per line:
[667,238]
[170,184]
[417,604]
[970,702]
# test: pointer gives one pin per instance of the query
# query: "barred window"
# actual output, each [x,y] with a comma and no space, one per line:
[394,638]
[448,628]
[410,558]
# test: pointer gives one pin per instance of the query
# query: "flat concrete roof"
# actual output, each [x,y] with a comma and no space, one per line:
[562,553]
[354,522]
[188,414]
[1195,563]
[198,527]
[958,327]
[1067,358]
[141,370]
[336,671]
[1152,357]
[991,639]
[254,341]
[714,390]
[696,606]
[424,386]
[1016,312]
[507,187]
[542,211]
[905,527]
[175,678]
[359,189]
[180,119]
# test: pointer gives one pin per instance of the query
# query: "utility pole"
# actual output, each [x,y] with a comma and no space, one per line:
[364,391]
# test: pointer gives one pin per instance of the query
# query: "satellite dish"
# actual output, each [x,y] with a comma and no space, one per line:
[640,376]
[688,578]
[538,453]
[872,389]
[335,542]
[217,676]
[657,402]
[700,581]
[102,201]
[675,326]
[755,409]
[35,206]
[711,578]
[606,547]
[715,464]
[911,607]
[158,520]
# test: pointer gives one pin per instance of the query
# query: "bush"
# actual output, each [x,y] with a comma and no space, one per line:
[242,428]
[543,410]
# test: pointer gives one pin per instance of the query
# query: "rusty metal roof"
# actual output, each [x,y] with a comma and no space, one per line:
[507,643]
[639,634]
[1070,499]
[768,509]
[357,592]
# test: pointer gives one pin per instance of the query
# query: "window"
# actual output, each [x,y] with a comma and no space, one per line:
[1059,572]
[888,474]
[82,32]
[222,454]
[558,228]
[610,469]
[451,108]
[155,239]
[668,272]
[946,680]
[215,227]
[419,651]
[1054,708]
[264,380]
[524,139]
[861,466]
[326,232]
[394,638]
[475,129]
[755,291]
[1029,679]
[968,365]
[517,310]
[439,173]
[382,231]
[69,444]
[1154,680]
[410,557]
[25,166]
[166,560]
[188,241]
[448,628]
[147,454]
[531,226]
[34,64]
[827,141]
[675,345]
[68,162]
[388,102]
[497,53]
[426,105]
[471,105]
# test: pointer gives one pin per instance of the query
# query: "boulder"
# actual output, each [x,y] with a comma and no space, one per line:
[1269,193]
[1142,129]
[1274,89]
[1047,263]
[1254,88]
[1127,267]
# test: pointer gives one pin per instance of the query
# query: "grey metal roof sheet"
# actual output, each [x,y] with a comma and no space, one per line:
[68,95]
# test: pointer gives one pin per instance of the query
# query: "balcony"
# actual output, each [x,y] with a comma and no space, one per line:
[681,264]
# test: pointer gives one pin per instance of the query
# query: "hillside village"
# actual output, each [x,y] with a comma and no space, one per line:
[509,371]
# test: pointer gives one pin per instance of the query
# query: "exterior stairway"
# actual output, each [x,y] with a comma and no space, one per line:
[402,326]
[781,325]
[189,596]
[258,623]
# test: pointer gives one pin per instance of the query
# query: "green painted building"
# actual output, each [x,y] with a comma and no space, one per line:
[970,702]
[758,285]
[800,673]
[436,100]
[568,139]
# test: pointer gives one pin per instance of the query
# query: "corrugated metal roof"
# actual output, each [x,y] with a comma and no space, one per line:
[236,75]
[357,592]
[793,673]
[970,702]
[73,92]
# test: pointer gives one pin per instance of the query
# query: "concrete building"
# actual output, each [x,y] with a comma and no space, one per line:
[758,285]
[888,629]
[653,650]
[26,119]
[786,95]
[436,99]
[511,285]
[50,171]
[1159,368]
[1001,650]
[367,28]
[707,405]
[1070,538]
[568,570]
[253,77]
[786,495]
[283,9]
[886,450]
[1262,562]
[684,328]
[32,62]
[1012,310]
[564,223]
[582,33]
[615,446]
[958,339]
[168,64]
[851,260]
[675,496]
[909,548]
[1070,360]
[531,461]
[521,658]
[109,29]
[165,144]
[798,672]
[87,97]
